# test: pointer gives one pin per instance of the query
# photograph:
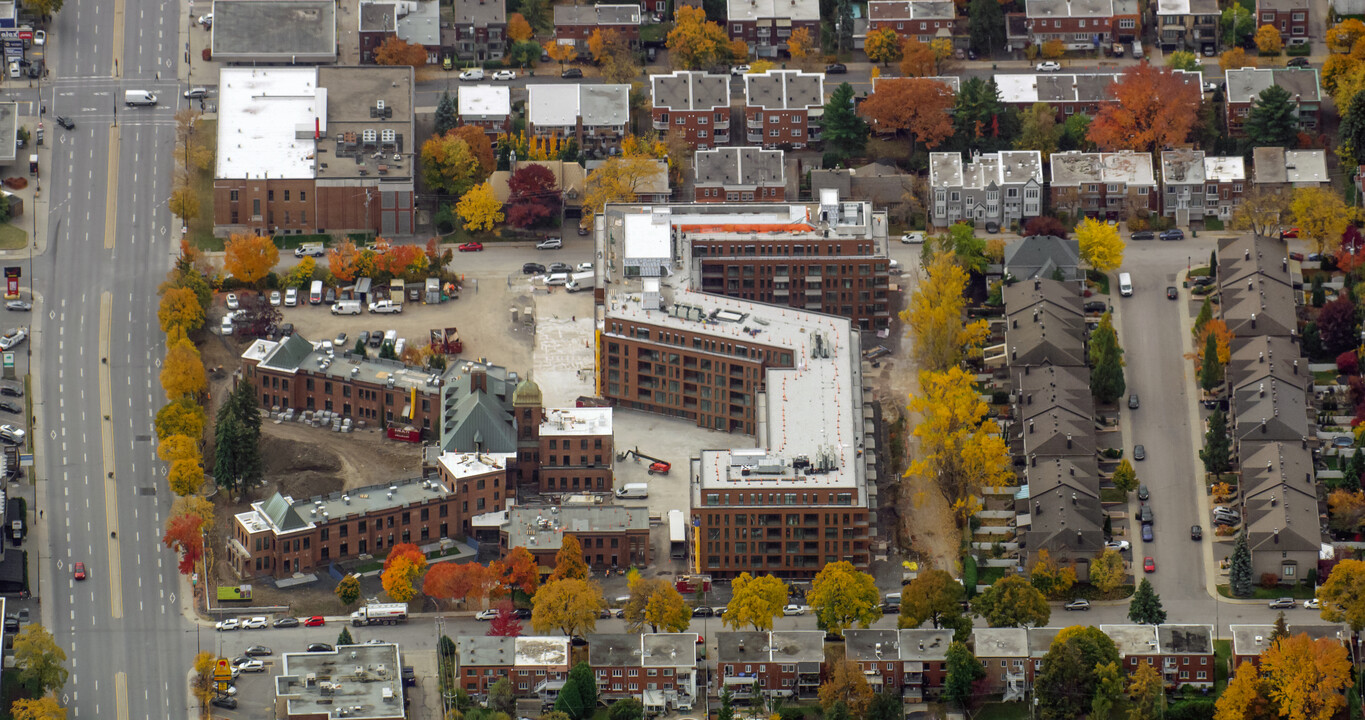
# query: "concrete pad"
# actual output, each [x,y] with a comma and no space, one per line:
[564,356]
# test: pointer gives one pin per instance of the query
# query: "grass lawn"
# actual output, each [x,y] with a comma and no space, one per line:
[1325,377]
[988,575]
[12,237]
[1298,592]
[201,227]
[1213,224]
[1002,711]
[1222,651]
[1113,495]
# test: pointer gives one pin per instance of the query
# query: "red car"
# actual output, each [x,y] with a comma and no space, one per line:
[319,621]
[1291,233]
[80,571]
[471,247]
[701,639]
[1148,564]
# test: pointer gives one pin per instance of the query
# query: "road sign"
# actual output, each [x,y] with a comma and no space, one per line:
[9,361]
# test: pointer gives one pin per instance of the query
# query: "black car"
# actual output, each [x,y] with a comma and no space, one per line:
[703,611]
[890,608]
[1142,235]
[992,227]
[319,647]
[10,407]
[1096,306]
[376,338]
[364,337]
[409,676]
[1145,514]
[11,623]
[11,391]
[1299,62]
[522,613]
[1196,532]
[1143,492]
[66,122]
[1139,452]
[532,268]
[571,73]
[836,69]
[1172,293]
[1173,234]
[224,701]
[1133,401]
[287,622]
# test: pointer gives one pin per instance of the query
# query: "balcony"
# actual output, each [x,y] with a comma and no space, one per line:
[661,125]
[754,137]
[722,136]
[721,124]
[754,123]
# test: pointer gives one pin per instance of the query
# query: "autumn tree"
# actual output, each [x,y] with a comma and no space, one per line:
[1070,671]
[178,447]
[533,196]
[479,208]
[197,506]
[842,596]
[449,166]
[1235,59]
[694,43]
[1100,244]
[569,605]
[1012,602]
[342,260]
[848,685]
[917,107]
[1245,697]
[39,660]
[184,477]
[1108,689]
[184,202]
[1106,362]
[1153,108]
[882,46]
[1039,130]
[1268,40]
[754,601]
[518,570]
[1342,37]
[845,131]
[917,59]
[506,624]
[618,180]
[1183,60]
[1322,216]
[1337,326]
[569,562]
[1145,690]
[182,373]
[656,603]
[934,596]
[936,316]
[518,29]
[1346,509]
[1262,211]
[1051,579]
[396,51]
[1052,49]
[1125,477]
[43,708]
[801,46]
[1343,596]
[403,565]
[1107,571]
[613,55]
[1307,678]
[183,536]
[180,308]
[348,589]
[249,257]
[961,451]
[561,52]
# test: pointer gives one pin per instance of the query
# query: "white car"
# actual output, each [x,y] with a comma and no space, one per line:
[1118,545]
[486,615]
[291,297]
[794,610]
[505,75]
[739,70]
[39,38]
[226,327]
[1049,66]
[13,338]
[1312,604]
[274,298]
[260,622]
[374,641]
[385,306]
[228,624]
[584,267]
[913,238]
[232,302]
[472,74]
[252,666]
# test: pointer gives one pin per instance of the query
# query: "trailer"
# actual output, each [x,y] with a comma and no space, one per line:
[380,614]
[656,466]
[677,535]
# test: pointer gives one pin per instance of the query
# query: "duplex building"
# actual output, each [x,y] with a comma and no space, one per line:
[736,174]
[658,669]
[534,664]
[1245,85]
[475,29]
[1195,186]
[1004,656]
[767,25]
[923,20]
[488,107]
[694,104]
[315,150]
[412,21]
[999,188]
[911,663]
[574,24]
[1189,25]
[365,679]
[1250,641]
[593,115]
[1082,24]
[1112,186]
[783,107]
[779,663]
[1278,169]
[1070,93]
[1290,17]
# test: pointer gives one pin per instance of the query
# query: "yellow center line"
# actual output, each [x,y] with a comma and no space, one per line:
[111,193]
[121,695]
[115,567]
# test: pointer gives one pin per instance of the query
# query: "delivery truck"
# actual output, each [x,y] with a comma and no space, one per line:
[380,614]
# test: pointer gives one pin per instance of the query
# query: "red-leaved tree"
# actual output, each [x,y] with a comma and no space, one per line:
[183,536]
[1044,225]
[519,570]
[533,196]
[1337,326]
[1154,108]
[439,582]
[506,623]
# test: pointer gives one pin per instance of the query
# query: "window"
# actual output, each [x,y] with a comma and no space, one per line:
[680,121]
[303,196]
[232,195]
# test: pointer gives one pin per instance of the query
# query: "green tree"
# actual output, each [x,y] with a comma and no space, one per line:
[626,709]
[1076,134]
[524,53]
[885,705]
[986,26]
[447,118]
[1273,119]
[1145,606]
[1217,450]
[841,596]
[39,660]
[1012,602]
[237,455]
[1106,362]
[578,698]
[344,637]
[963,672]
[933,595]
[845,132]
[1238,25]
[1205,315]
[1182,60]
[502,697]
[1108,688]
[962,243]
[1352,132]
[1065,684]
[843,25]
[348,590]
[1211,371]
[1125,477]
[980,118]
[727,705]
[1239,572]
[1038,129]
[1281,629]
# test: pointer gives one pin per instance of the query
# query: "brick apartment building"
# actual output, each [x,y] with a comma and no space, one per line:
[1183,654]
[576,450]
[1249,641]
[413,22]
[911,663]
[486,106]
[783,107]
[280,536]
[1245,85]
[1103,185]
[1290,17]
[694,103]
[475,29]
[353,172]
[1191,25]
[576,23]
[612,536]
[1083,24]
[530,662]
[780,663]
[1196,186]
[920,19]
[766,25]
[658,669]
[740,175]
[1004,656]
[593,115]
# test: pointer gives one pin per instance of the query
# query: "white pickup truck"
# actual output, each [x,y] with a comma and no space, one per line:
[386,306]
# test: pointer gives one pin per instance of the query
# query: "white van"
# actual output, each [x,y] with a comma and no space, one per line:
[1125,284]
[633,490]
[346,307]
[390,337]
[399,345]
[557,279]
[315,293]
[138,97]
[1137,49]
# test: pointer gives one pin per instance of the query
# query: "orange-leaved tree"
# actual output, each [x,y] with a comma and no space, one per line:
[249,257]
[518,29]
[402,567]
[694,43]
[342,259]
[917,106]
[917,59]
[396,51]
[1307,678]
[569,561]
[183,372]
[518,570]
[480,146]
[1154,108]
[183,536]
[561,52]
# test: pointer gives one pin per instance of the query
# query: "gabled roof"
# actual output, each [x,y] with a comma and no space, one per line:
[1249,256]
[279,510]
[1258,305]
[1264,358]
[1043,388]
[1263,413]
[1040,256]
[1045,324]
[479,422]
[289,354]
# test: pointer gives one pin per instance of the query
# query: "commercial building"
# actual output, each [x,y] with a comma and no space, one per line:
[923,20]
[1245,85]
[658,669]
[740,175]
[315,150]
[1083,24]
[486,106]
[364,679]
[475,29]
[574,24]
[780,663]
[1290,17]
[593,115]
[294,32]
[1111,186]
[910,663]
[535,665]
[783,107]
[1000,188]
[612,536]
[693,103]
[576,450]
[767,25]
[412,21]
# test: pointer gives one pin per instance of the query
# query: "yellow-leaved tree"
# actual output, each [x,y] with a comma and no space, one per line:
[183,372]
[480,208]
[194,505]
[694,43]
[570,606]
[177,447]
[184,203]
[801,46]
[617,181]
[1322,216]
[1107,571]
[1268,40]
[842,596]
[1234,59]
[754,601]
[249,257]
[1100,244]
[518,29]
[185,477]
[1245,693]
[960,451]
[938,331]
[1342,37]
[561,52]
[883,46]
[569,563]
[848,685]
[1051,579]
[1306,678]
[180,308]
[613,55]
[43,708]
[656,603]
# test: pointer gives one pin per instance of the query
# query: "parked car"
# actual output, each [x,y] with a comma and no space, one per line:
[992,227]
[287,622]
[1283,603]
[275,298]
[252,666]
[1173,234]
[1196,532]
[340,342]
[703,611]
[571,73]
[409,676]
[13,338]
[1145,514]
[486,615]
[319,647]
[1078,604]
[315,621]
[223,701]
[1132,401]
[196,93]
[473,246]
[522,613]
[532,268]
[11,391]
[1148,564]
[1291,233]
[258,650]
[1049,66]
[258,622]
[1139,452]
[913,238]
[1298,62]
[794,610]
[19,305]
[835,69]
[1096,306]
[1117,545]
[550,243]
[1343,441]
[1143,492]
[1147,533]
[228,624]
[738,70]
[11,407]
[1142,235]
[472,74]
[1172,293]
[505,75]
[1312,604]
[559,267]
[385,306]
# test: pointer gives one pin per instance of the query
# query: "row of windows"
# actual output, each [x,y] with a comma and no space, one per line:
[582,444]
[722,248]
[743,498]
[270,195]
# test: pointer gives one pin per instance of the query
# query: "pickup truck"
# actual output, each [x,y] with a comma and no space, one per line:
[386,306]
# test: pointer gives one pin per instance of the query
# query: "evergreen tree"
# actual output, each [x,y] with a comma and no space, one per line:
[1355,469]
[1205,315]
[844,25]
[986,24]
[1106,361]
[963,672]
[446,118]
[1319,294]
[227,437]
[248,413]
[578,698]
[1217,452]
[1352,131]
[345,637]
[359,349]
[885,705]
[980,119]
[1272,121]
[845,132]
[1211,372]
[727,705]
[1281,630]
[1145,606]
[1239,574]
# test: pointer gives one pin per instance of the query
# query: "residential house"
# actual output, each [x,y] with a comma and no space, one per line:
[594,115]
[574,24]
[909,663]
[650,187]
[658,669]
[529,662]
[783,107]
[1245,85]
[1137,645]
[1191,25]
[1249,641]
[1258,287]
[570,177]
[1069,93]
[766,25]
[1082,24]
[881,183]
[1275,168]
[1280,507]
[1290,17]
[1043,256]
[735,174]
[1044,326]
[1225,179]
[1182,182]
[475,29]
[486,106]
[694,103]
[1186,653]
[923,20]
[778,663]
[1112,186]
[1001,188]
[416,22]
[1004,656]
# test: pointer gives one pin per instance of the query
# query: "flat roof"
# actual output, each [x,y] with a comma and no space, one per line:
[542,527]
[785,90]
[365,679]
[563,105]
[369,131]
[1069,8]
[1224,168]
[266,121]
[690,90]
[740,167]
[462,465]
[419,22]
[1000,642]
[750,10]
[1132,639]
[597,14]
[314,359]
[479,13]
[485,100]
[1185,639]
[1071,169]
[274,30]
[9,131]
[1187,7]
[576,421]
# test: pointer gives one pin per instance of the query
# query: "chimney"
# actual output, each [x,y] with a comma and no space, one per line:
[1037,284]
[1262,425]
[1030,427]
[1073,498]
[1277,536]
[1030,398]
[1260,358]
[1014,323]
[1068,441]
[1253,321]
[478,380]
[1296,367]
[1033,459]
[1079,542]
[1246,254]
[1260,390]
